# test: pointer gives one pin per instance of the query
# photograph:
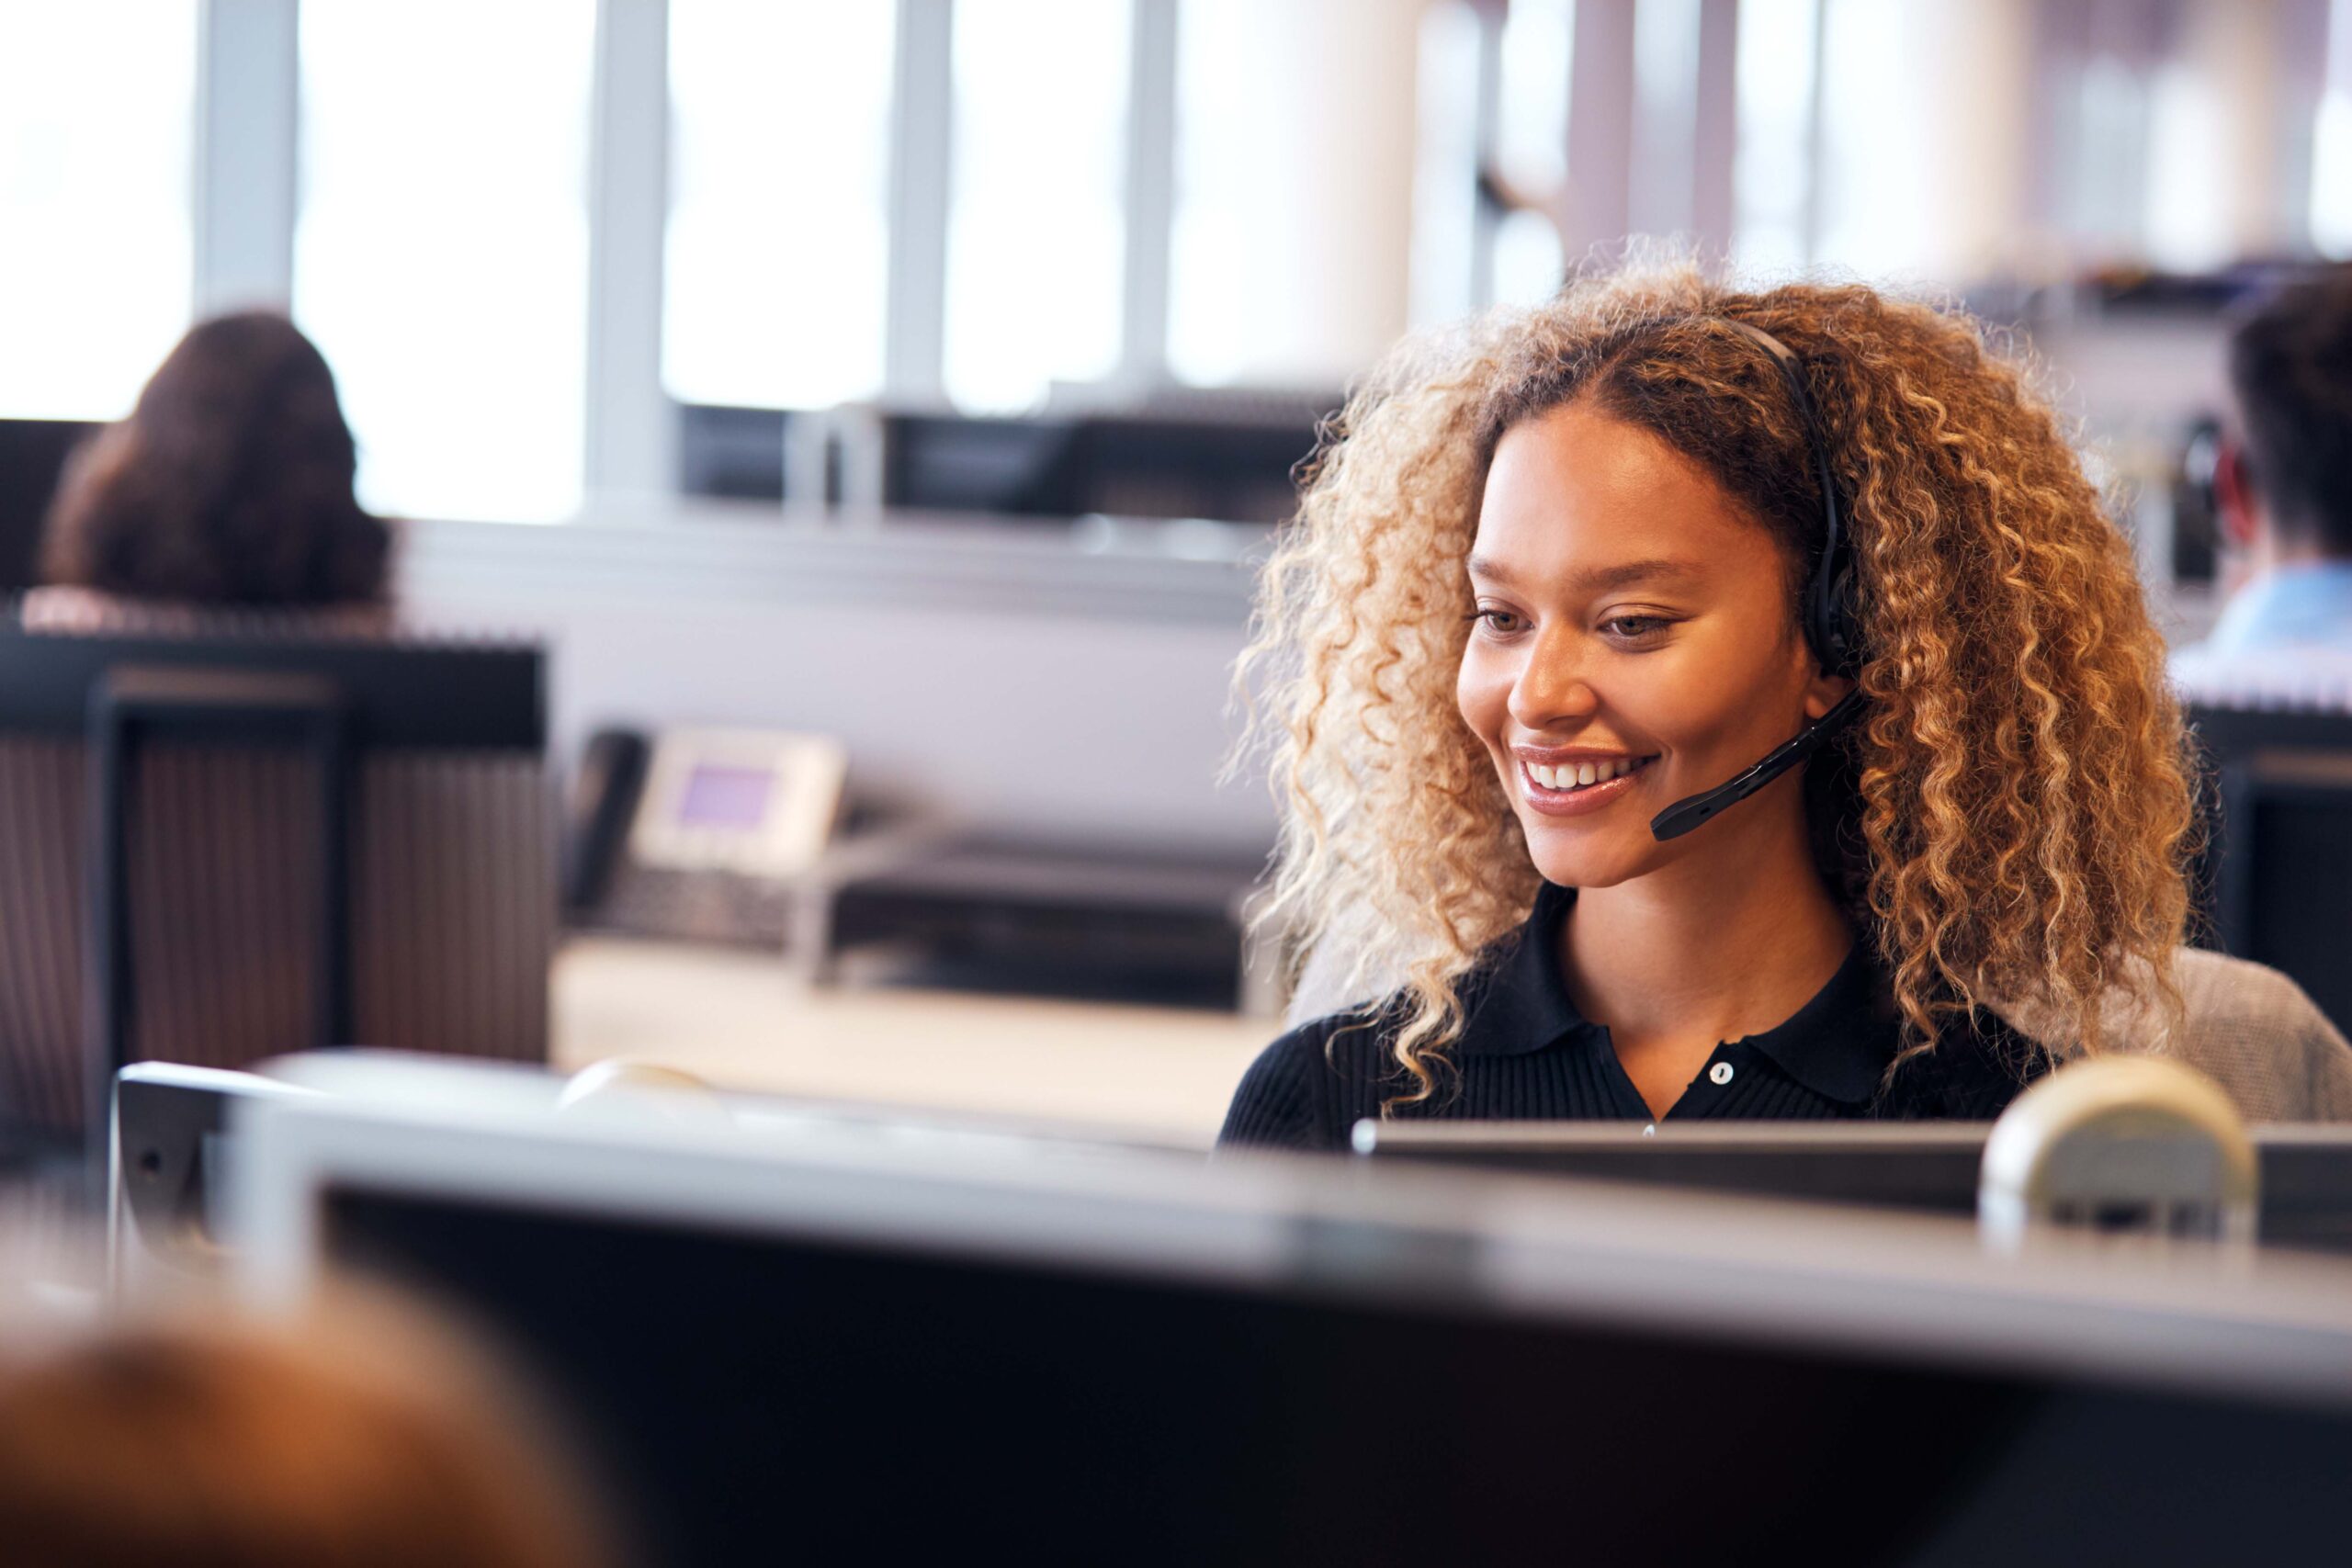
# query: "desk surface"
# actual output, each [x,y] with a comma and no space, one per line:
[743,1021]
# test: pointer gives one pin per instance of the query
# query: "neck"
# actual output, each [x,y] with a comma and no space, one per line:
[1717,946]
[2274,551]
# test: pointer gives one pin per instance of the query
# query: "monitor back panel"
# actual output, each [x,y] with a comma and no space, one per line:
[756,1397]
[2306,1170]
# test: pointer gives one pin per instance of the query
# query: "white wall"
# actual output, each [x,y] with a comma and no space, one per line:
[998,676]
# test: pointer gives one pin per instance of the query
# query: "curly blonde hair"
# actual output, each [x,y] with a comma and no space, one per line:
[2009,821]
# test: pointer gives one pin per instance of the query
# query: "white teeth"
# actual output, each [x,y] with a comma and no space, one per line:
[1577,775]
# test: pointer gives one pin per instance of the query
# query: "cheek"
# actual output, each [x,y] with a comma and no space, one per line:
[1721,697]
[1482,694]
[1679,709]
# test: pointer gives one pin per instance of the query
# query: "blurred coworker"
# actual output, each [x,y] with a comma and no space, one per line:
[229,486]
[231,1446]
[2284,490]
[1559,577]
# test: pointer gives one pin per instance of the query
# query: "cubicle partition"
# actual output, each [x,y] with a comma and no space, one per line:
[222,845]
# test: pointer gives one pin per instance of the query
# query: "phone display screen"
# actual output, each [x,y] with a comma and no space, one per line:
[718,795]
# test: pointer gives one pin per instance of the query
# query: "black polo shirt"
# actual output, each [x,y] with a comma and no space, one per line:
[1526,1053]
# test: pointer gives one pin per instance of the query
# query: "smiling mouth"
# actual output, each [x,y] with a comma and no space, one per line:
[1574,779]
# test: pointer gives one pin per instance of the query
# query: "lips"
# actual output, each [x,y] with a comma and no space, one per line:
[1557,798]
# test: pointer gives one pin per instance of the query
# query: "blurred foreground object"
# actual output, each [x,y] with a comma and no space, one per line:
[629,1087]
[2131,1147]
[214,1445]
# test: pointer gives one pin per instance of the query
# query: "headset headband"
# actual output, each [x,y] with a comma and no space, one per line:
[1829,620]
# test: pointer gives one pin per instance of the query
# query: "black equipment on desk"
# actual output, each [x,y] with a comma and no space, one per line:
[1925,1167]
[231,844]
[1097,921]
[1226,459]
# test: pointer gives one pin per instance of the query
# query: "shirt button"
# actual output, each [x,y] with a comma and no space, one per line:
[1720,1072]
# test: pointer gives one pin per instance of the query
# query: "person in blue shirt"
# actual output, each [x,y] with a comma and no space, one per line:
[2284,489]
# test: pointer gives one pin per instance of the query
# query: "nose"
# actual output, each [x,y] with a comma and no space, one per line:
[1552,690]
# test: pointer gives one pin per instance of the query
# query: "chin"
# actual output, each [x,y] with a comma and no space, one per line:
[1589,864]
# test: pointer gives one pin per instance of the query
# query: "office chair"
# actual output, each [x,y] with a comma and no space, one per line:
[224,845]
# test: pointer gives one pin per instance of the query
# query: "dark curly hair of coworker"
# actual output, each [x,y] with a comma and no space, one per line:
[231,483]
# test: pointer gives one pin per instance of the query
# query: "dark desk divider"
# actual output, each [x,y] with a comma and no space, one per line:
[335,699]
[438,695]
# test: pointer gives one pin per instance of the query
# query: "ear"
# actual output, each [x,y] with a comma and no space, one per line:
[2233,498]
[1825,692]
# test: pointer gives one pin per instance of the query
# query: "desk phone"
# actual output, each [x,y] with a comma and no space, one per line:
[714,816]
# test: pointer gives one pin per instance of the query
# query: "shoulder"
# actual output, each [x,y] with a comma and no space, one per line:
[1980,1064]
[2246,1025]
[1293,1095]
[2263,1039]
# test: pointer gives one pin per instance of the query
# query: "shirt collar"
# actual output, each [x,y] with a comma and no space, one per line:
[1520,1002]
[1838,1044]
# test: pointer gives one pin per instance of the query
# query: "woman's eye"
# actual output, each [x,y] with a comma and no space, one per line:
[1633,628]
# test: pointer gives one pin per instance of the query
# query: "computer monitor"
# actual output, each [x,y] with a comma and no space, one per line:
[2284,893]
[1931,1168]
[847,1352]
[169,1147]
[172,1138]
[1925,1167]
[2269,878]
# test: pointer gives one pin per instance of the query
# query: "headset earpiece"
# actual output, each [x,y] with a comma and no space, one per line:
[1832,619]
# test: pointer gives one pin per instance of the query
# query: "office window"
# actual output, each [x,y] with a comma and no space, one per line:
[1771,169]
[1532,146]
[1292,231]
[2108,168]
[1447,252]
[97,121]
[1212,313]
[440,251]
[778,254]
[1036,233]
[2332,142]
[1874,172]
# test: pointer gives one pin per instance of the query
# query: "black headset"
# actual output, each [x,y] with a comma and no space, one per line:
[1831,627]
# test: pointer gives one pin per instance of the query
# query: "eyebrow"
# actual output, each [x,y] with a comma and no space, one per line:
[1596,579]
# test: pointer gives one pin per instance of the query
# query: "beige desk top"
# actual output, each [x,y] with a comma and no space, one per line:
[741,1020]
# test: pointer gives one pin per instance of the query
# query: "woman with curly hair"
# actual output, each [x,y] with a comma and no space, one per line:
[230,485]
[1557,587]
